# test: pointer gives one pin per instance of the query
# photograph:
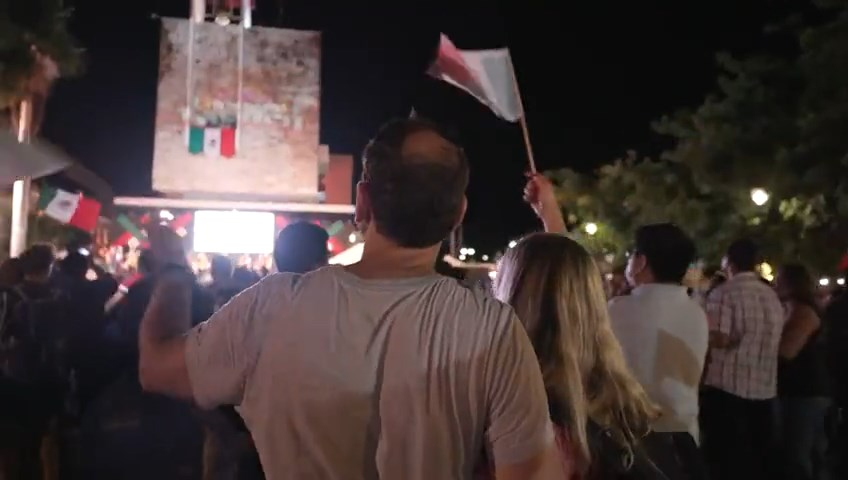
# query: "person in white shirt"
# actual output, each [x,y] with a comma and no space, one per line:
[379,370]
[663,332]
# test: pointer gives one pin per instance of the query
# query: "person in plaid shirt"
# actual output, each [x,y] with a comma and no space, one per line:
[746,320]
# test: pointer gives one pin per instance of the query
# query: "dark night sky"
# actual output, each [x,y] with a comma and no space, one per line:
[593,76]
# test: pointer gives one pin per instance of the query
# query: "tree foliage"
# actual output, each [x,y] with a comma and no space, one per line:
[35,47]
[776,122]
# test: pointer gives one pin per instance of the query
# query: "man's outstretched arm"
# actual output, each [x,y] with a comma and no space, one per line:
[162,337]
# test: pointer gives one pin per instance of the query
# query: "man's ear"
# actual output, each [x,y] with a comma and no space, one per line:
[362,214]
[461,213]
[638,264]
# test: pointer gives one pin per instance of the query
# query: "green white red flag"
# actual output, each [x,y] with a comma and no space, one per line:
[485,74]
[69,208]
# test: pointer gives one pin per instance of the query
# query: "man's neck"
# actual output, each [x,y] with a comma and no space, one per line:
[382,258]
[736,273]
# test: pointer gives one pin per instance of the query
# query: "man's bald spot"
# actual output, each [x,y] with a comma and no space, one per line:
[430,145]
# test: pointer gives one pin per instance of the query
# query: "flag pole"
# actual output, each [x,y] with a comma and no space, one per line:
[522,118]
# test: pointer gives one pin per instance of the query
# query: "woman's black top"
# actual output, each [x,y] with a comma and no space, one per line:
[806,375]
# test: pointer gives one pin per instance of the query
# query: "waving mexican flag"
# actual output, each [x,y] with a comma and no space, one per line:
[69,208]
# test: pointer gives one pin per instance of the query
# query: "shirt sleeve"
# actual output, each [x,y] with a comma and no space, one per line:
[519,420]
[720,311]
[221,352]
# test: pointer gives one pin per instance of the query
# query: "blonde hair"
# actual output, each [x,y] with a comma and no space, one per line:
[557,291]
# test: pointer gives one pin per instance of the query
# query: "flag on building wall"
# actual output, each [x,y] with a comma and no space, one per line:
[212,141]
[69,208]
[485,74]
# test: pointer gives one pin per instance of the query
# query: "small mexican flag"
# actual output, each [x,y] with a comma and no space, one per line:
[69,208]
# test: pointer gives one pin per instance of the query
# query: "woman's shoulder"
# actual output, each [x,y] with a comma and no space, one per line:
[802,311]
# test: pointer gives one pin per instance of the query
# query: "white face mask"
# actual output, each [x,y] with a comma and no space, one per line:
[629,273]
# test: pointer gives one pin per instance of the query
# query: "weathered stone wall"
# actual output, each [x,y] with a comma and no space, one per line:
[278,125]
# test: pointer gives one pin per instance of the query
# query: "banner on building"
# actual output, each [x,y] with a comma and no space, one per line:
[237,111]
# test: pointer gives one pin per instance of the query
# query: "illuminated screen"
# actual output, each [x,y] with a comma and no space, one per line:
[219,231]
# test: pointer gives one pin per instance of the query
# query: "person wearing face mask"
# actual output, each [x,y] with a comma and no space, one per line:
[664,334]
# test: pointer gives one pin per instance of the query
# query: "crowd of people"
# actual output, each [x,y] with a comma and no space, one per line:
[387,369]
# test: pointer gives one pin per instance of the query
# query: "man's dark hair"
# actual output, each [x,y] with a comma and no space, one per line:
[415,201]
[221,267]
[74,265]
[667,249]
[743,255]
[37,260]
[301,247]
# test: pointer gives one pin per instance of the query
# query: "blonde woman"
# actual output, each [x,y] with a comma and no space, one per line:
[600,411]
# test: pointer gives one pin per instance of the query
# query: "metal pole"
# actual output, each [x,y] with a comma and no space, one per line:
[240,87]
[21,188]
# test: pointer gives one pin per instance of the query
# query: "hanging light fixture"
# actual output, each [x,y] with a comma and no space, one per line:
[223,12]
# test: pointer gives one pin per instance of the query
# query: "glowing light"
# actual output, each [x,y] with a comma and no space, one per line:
[166,215]
[493,274]
[591,228]
[512,244]
[824,281]
[217,231]
[351,238]
[840,281]
[222,19]
[462,257]
[485,258]
[759,196]
[349,256]
[463,251]
[472,252]
[767,271]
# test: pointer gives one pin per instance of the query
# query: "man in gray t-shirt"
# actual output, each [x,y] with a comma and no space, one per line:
[378,370]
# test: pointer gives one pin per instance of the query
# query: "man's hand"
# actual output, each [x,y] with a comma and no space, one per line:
[166,246]
[539,193]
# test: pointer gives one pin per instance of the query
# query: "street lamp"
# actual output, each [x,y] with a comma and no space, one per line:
[759,196]
[591,228]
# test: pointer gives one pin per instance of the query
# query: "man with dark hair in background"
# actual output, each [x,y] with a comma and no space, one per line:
[740,382]
[301,247]
[664,335]
[382,369]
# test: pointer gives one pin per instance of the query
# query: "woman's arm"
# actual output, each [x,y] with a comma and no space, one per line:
[539,193]
[803,322]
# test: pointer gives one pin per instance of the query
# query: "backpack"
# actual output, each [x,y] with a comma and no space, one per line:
[9,299]
[14,341]
[32,341]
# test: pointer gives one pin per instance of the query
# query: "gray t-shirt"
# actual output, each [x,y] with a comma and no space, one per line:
[339,377]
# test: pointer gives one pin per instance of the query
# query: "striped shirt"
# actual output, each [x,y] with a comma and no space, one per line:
[749,311]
